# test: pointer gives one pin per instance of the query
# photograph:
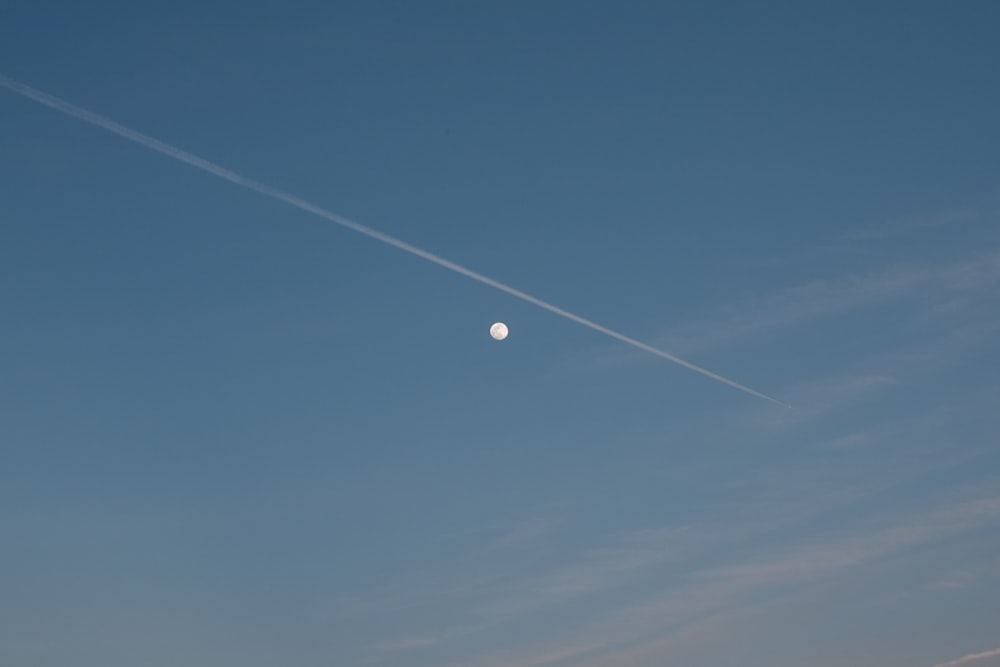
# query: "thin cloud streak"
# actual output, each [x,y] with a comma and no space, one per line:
[942,289]
[820,398]
[641,632]
[527,531]
[904,227]
[972,657]
[966,577]
[268,191]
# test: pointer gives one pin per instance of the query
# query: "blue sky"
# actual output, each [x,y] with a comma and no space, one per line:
[234,433]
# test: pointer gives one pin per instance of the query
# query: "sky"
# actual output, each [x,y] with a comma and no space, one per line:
[234,432]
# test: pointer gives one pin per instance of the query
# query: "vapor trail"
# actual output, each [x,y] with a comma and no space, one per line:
[266,190]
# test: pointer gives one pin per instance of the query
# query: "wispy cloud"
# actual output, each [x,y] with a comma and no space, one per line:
[813,399]
[406,643]
[972,657]
[633,557]
[966,576]
[850,441]
[386,650]
[595,570]
[904,227]
[818,299]
[632,597]
[641,632]
[815,560]
[528,531]
[823,299]
[932,287]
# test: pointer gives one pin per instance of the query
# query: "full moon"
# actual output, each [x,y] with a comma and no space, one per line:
[498,331]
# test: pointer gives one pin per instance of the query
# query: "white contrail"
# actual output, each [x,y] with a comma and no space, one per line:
[222,172]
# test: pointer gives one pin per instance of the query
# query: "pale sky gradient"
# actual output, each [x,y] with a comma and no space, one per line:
[234,433]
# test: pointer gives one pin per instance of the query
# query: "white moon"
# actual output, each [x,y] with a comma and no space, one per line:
[499,331]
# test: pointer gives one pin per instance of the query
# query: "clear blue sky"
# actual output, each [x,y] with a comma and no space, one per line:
[234,434]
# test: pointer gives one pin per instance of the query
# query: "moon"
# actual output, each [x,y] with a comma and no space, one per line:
[499,330]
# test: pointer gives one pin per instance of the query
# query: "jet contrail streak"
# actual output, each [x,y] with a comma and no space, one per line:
[266,190]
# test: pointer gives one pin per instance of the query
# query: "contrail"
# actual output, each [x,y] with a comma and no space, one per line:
[266,190]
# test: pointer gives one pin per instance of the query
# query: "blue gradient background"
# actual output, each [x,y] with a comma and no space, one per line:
[235,434]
